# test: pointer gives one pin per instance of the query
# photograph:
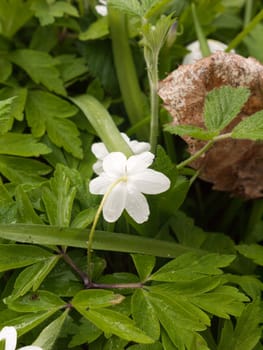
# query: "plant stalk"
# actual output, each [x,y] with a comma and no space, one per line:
[153,80]
[133,98]
[249,27]
[205,50]
[202,150]
[94,224]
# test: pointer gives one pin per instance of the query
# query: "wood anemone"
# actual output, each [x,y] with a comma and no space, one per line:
[231,165]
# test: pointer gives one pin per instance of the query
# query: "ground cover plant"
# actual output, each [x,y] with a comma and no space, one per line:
[110,237]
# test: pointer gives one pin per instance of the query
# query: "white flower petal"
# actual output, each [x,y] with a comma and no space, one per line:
[114,164]
[100,184]
[137,206]
[125,137]
[99,150]
[30,347]
[9,334]
[115,203]
[139,162]
[101,10]
[139,147]
[150,181]
[195,51]
[97,167]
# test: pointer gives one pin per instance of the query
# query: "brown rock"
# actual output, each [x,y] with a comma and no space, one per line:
[231,165]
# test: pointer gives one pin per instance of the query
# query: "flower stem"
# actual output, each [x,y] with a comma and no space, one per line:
[133,98]
[249,27]
[94,224]
[153,79]
[202,150]
[248,12]
[199,32]
[74,267]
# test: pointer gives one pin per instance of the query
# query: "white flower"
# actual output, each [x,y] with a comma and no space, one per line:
[9,335]
[100,151]
[129,179]
[102,8]
[196,54]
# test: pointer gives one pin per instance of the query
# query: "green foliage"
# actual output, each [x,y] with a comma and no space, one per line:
[41,113]
[169,283]
[58,198]
[250,128]
[190,130]
[13,15]
[47,11]
[222,106]
[41,68]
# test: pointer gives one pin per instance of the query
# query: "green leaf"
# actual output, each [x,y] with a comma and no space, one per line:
[84,218]
[222,105]
[25,322]
[188,315]
[41,67]
[14,109]
[144,265]
[87,332]
[102,122]
[138,8]
[6,120]
[32,277]
[188,288]
[18,104]
[155,346]
[144,314]
[180,332]
[8,207]
[186,232]
[222,301]
[252,251]
[48,11]
[40,300]
[154,36]
[58,198]
[13,15]
[190,130]
[98,55]
[115,343]
[47,112]
[13,256]
[192,266]
[250,284]
[71,67]
[5,69]
[110,321]
[94,299]
[254,41]
[26,211]
[23,171]
[103,240]
[96,30]
[24,145]
[247,332]
[132,7]
[250,128]
[50,333]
